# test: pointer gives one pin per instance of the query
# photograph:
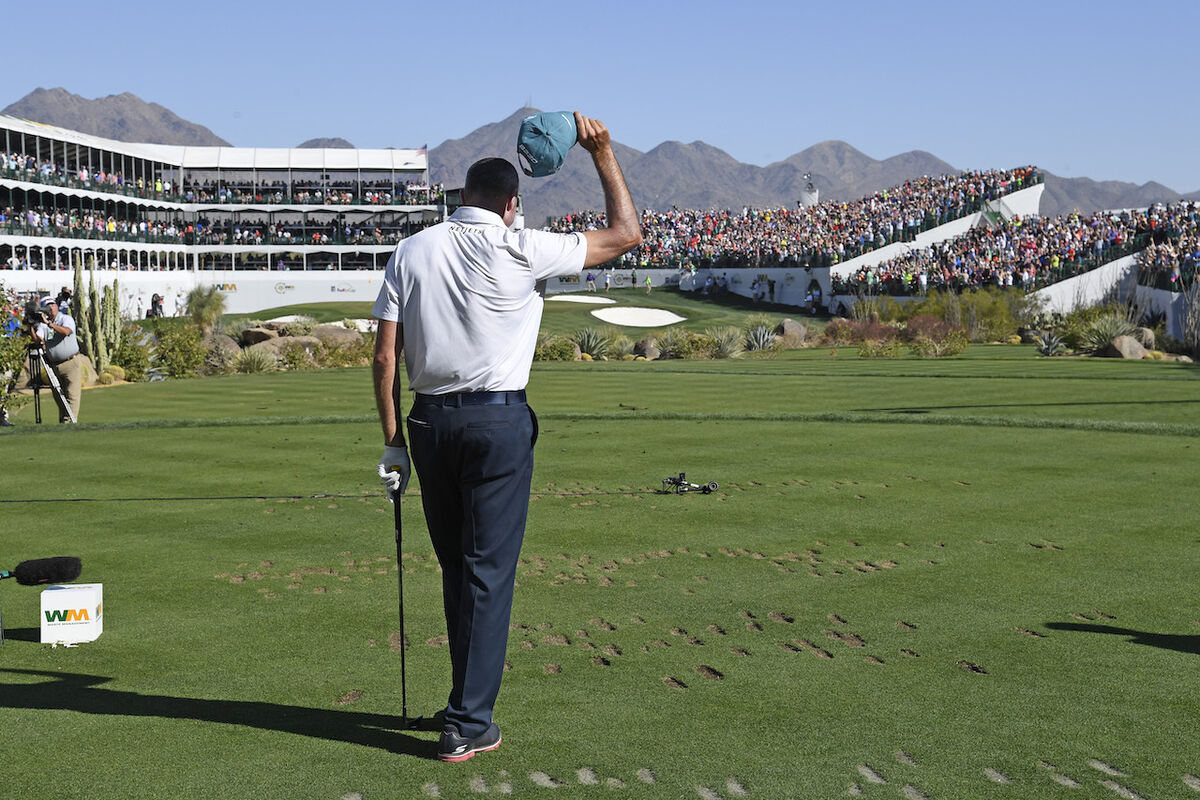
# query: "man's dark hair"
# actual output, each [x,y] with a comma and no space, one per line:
[491,183]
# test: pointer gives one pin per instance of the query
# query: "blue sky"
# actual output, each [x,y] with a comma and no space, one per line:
[1102,89]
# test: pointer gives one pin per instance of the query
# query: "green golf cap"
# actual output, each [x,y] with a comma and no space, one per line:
[543,142]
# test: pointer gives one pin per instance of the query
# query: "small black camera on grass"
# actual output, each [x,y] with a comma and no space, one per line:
[33,314]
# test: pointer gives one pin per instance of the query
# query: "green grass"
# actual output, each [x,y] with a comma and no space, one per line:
[940,511]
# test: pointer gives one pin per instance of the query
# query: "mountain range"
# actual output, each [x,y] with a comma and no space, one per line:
[695,175]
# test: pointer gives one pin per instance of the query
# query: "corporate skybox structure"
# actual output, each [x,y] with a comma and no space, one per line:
[249,213]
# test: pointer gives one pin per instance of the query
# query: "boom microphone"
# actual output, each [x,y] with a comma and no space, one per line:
[38,571]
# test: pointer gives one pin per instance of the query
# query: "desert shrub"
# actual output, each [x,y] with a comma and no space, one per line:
[294,356]
[354,354]
[670,342]
[299,327]
[219,361]
[1050,345]
[620,345]
[727,342]
[952,342]
[591,342]
[880,348]
[554,348]
[873,332]
[116,371]
[252,360]
[180,350]
[924,326]
[105,378]
[837,332]
[696,345]
[1103,330]
[133,354]
[760,338]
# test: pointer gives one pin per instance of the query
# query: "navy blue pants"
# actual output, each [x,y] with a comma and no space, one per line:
[475,463]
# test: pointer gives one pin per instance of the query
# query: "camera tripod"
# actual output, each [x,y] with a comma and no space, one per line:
[37,362]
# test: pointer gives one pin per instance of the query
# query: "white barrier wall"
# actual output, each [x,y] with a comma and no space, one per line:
[1091,287]
[245,291]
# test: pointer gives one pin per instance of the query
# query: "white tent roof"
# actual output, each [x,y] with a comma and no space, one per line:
[409,160]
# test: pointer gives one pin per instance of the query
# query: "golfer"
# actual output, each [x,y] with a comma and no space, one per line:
[460,299]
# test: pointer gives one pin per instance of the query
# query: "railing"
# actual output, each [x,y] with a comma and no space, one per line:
[207,195]
[304,239]
[1171,279]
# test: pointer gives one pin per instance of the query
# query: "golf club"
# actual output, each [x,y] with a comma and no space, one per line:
[410,724]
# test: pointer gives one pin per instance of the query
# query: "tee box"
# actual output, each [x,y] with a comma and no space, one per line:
[72,613]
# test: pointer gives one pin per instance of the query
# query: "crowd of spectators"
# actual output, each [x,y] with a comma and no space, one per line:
[818,236]
[85,224]
[1027,253]
[77,224]
[1171,258]
[316,193]
[332,192]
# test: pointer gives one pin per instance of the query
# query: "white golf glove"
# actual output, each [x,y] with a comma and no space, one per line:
[394,470]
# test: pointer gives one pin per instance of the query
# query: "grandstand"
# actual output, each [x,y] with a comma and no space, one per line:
[270,226]
[273,226]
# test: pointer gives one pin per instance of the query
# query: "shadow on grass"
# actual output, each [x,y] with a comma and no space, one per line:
[1165,641]
[72,692]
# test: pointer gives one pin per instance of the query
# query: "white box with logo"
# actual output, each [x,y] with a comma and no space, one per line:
[72,613]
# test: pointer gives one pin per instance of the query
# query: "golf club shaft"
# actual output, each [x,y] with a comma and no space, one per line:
[400,580]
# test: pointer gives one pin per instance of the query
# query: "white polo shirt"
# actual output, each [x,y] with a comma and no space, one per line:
[465,291]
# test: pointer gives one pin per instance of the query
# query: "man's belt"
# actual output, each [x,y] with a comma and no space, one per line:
[65,360]
[459,399]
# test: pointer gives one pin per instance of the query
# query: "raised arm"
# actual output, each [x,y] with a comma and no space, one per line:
[624,231]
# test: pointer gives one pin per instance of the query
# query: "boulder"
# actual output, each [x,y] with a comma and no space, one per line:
[253,336]
[335,335]
[647,348]
[276,346]
[1123,347]
[1145,336]
[792,330]
[224,343]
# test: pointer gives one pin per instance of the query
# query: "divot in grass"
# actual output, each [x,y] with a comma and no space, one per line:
[735,788]
[995,776]
[478,785]
[544,780]
[1121,791]
[1107,769]
[431,790]
[913,793]
[646,775]
[870,775]
[1192,782]
[586,776]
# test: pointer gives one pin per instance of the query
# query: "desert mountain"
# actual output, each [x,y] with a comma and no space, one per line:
[124,117]
[694,175]
[336,143]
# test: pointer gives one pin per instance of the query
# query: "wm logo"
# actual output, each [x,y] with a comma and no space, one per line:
[67,615]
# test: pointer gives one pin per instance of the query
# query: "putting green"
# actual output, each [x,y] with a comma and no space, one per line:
[963,578]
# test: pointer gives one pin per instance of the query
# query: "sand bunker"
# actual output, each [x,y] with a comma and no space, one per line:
[637,317]
[581,298]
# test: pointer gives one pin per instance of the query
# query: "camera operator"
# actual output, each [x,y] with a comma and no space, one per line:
[10,329]
[57,332]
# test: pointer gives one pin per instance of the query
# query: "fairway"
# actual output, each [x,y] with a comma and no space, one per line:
[960,578]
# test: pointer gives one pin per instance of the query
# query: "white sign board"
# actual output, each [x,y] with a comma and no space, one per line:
[72,613]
